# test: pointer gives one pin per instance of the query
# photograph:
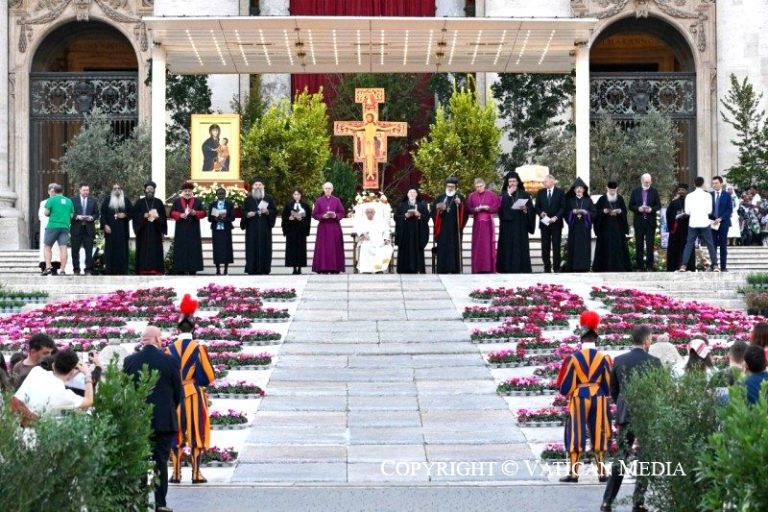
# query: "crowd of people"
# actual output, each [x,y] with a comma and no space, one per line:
[46,380]
[703,215]
[590,380]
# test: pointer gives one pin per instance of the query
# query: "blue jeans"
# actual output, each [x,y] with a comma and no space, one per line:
[706,235]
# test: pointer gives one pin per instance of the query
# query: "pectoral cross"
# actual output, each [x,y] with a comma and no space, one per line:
[370,135]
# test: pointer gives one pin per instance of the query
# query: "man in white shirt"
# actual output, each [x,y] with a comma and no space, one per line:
[44,391]
[373,243]
[698,206]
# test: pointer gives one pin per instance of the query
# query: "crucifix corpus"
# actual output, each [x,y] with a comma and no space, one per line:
[370,135]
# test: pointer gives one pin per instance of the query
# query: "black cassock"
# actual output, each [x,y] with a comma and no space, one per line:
[678,234]
[116,243]
[149,236]
[187,243]
[258,235]
[449,224]
[514,250]
[611,251]
[411,237]
[221,232]
[296,233]
[579,233]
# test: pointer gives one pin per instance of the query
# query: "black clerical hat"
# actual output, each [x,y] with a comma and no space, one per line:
[150,183]
[578,183]
[451,180]
[612,185]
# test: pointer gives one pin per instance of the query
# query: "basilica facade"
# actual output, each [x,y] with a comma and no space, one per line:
[66,58]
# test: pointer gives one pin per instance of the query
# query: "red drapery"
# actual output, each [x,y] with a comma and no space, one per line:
[313,82]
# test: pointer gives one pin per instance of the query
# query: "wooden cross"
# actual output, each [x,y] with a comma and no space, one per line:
[370,135]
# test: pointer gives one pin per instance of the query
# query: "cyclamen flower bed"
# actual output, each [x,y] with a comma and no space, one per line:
[223,346]
[548,371]
[505,332]
[230,420]
[241,361]
[252,311]
[539,345]
[506,357]
[219,457]
[543,417]
[257,337]
[526,386]
[240,389]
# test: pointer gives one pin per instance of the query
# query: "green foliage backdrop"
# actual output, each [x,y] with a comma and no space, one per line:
[462,143]
[742,111]
[289,146]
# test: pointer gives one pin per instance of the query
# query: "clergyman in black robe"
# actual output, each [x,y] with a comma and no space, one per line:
[579,213]
[514,251]
[150,226]
[221,230]
[677,224]
[411,234]
[210,148]
[187,211]
[258,219]
[115,221]
[611,229]
[296,221]
[450,216]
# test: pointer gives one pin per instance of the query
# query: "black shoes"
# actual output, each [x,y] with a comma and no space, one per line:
[570,479]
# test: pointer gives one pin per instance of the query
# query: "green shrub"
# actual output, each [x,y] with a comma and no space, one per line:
[759,279]
[672,419]
[732,469]
[53,468]
[76,462]
[124,423]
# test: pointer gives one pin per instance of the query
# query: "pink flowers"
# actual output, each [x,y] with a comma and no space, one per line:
[506,356]
[235,360]
[544,414]
[235,388]
[525,385]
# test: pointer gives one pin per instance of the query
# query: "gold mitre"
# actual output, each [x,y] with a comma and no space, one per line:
[533,177]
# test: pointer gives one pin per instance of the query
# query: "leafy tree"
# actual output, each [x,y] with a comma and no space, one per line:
[463,143]
[530,104]
[558,152]
[672,424]
[250,107]
[732,462]
[289,147]
[100,157]
[344,179]
[177,166]
[184,95]
[623,154]
[742,111]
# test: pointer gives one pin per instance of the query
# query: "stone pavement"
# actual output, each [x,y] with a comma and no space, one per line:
[375,371]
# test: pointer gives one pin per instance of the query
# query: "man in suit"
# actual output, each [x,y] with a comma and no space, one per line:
[624,367]
[722,209]
[165,397]
[550,207]
[83,229]
[645,204]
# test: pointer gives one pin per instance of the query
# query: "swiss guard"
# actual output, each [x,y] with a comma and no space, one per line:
[585,380]
[196,374]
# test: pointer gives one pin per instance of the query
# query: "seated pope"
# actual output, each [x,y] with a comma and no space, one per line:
[373,242]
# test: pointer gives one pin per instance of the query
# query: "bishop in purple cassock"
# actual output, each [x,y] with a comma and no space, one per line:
[483,205]
[329,245]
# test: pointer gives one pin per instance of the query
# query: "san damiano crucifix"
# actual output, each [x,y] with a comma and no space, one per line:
[370,135]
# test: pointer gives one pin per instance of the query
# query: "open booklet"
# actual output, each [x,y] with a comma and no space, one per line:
[520,204]
[215,212]
[263,205]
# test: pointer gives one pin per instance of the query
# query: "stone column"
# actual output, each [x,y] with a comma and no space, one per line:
[275,86]
[581,106]
[158,120]
[11,225]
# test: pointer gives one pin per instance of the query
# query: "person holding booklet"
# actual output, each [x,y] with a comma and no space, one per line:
[518,220]
[221,215]
[611,228]
[297,216]
[259,214]
[550,208]
[580,212]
